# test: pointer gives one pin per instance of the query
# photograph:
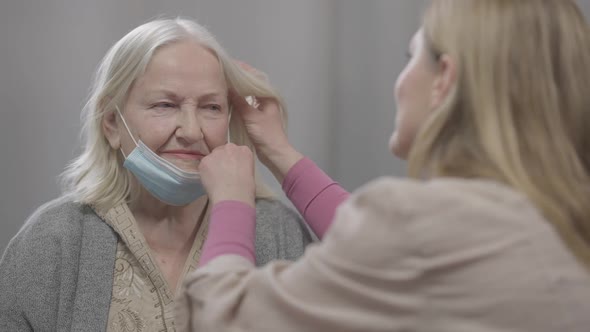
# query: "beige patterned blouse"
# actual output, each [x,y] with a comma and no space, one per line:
[142,299]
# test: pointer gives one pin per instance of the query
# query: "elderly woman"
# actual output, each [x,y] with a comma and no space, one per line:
[110,254]
[493,232]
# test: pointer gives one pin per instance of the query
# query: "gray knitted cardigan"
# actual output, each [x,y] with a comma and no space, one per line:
[56,274]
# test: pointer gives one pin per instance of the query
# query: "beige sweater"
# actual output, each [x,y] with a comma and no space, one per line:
[446,255]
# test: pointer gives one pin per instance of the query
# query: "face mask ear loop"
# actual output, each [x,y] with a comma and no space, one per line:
[229,125]
[126,127]
[128,131]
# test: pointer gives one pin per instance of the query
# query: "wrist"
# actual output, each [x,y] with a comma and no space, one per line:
[241,198]
[280,161]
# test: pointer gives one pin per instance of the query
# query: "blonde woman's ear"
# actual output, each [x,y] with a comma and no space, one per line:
[445,79]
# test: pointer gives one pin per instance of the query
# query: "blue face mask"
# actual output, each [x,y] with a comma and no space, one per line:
[161,178]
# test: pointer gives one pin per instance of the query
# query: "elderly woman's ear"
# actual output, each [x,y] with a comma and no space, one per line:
[110,129]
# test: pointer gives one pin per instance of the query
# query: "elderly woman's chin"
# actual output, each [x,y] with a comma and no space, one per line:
[185,161]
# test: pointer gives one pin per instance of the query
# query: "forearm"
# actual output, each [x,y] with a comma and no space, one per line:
[315,195]
[280,161]
[232,229]
[232,224]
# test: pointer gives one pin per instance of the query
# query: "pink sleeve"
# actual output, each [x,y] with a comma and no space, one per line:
[314,194]
[232,230]
[232,224]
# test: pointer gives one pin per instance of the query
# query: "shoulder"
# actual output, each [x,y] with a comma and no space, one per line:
[280,231]
[58,225]
[60,217]
[413,217]
[274,209]
[58,231]
[274,216]
[408,198]
[63,245]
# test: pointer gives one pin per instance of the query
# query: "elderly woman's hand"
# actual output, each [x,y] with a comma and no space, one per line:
[227,173]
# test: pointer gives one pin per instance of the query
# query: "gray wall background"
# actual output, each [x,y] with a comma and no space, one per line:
[335,62]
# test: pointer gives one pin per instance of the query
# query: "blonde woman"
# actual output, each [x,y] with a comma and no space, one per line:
[110,254]
[491,234]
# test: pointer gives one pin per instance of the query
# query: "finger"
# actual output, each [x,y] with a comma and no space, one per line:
[266,100]
[218,149]
[268,105]
[240,103]
[242,64]
[238,100]
[252,70]
[244,149]
[235,99]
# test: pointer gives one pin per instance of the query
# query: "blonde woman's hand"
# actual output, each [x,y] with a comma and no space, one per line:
[264,124]
[227,173]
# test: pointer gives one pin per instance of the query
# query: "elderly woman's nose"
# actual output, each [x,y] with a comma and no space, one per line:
[189,125]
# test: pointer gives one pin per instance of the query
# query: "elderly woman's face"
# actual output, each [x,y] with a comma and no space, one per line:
[179,107]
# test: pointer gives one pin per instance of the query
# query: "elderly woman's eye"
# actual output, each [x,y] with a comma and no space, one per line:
[164,105]
[214,107]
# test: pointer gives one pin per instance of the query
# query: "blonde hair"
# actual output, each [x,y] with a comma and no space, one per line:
[519,112]
[97,175]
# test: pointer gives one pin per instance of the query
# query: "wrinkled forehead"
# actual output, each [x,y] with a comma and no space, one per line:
[185,67]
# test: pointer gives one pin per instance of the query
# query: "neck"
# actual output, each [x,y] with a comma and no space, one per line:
[165,226]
